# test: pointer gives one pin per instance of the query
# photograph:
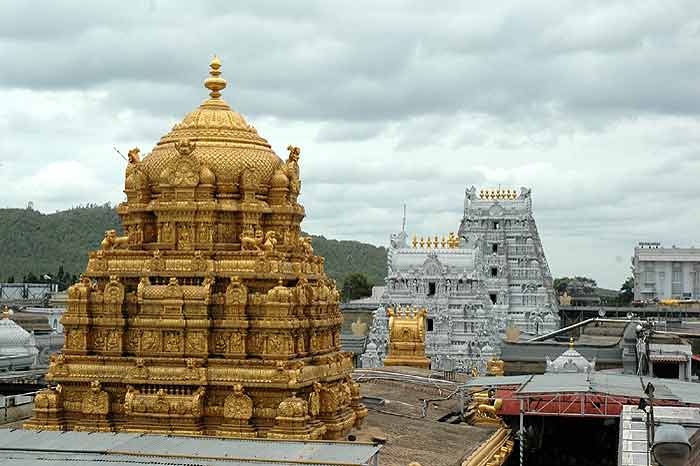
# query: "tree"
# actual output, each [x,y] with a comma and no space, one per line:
[627,291]
[356,285]
[561,284]
[575,284]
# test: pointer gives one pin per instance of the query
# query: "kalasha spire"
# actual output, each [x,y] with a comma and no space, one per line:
[214,82]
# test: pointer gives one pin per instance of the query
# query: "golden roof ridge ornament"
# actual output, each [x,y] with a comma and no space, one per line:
[215,83]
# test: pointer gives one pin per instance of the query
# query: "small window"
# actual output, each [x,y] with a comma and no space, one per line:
[429,324]
[493,297]
[496,225]
[431,289]
[494,271]
[494,248]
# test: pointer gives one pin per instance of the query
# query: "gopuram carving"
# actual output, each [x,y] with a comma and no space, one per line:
[210,315]
[487,281]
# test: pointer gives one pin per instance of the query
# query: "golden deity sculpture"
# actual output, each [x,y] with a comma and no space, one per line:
[495,367]
[407,337]
[483,409]
[211,315]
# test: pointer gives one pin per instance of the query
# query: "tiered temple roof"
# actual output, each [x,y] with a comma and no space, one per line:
[211,315]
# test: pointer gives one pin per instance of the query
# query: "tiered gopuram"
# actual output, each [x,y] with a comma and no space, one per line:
[212,315]
[489,280]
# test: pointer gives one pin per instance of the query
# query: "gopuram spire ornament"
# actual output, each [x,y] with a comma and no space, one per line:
[215,83]
[210,315]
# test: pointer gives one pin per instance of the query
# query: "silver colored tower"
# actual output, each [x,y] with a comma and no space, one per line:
[489,278]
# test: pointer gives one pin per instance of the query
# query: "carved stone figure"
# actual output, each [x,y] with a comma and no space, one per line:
[96,400]
[249,242]
[238,405]
[270,242]
[112,241]
[291,169]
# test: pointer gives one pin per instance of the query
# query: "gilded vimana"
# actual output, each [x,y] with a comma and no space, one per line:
[211,315]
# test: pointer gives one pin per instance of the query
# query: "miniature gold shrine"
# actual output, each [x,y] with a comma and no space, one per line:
[407,337]
[212,315]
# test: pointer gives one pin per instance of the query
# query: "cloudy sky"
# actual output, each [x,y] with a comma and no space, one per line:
[595,105]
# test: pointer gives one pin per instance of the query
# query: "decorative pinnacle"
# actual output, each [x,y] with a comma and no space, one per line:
[5,312]
[214,83]
[571,342]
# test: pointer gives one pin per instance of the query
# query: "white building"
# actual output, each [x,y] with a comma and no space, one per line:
[17,346]
[665,273]
[491,276]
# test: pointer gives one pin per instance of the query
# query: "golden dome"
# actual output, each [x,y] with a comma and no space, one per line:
[206,176]
[279,180]
[224,141]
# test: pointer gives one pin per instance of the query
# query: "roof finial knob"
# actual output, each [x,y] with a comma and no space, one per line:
[571,342]
[214,82]
[5,312]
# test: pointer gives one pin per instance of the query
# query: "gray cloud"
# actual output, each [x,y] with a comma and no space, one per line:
[594,105]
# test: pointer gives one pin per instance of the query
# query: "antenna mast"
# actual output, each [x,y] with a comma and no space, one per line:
[403,223]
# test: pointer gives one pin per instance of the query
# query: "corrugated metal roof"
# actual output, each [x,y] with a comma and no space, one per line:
[607,352]
[20,445]
[494,381]
[555,383]
[596,382]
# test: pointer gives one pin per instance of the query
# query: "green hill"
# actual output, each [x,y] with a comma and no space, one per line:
[36,243]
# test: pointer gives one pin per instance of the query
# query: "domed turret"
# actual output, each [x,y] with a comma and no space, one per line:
[14,340]
[570,361]
[225,142]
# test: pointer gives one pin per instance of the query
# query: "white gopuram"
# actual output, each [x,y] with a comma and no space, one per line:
[489,277]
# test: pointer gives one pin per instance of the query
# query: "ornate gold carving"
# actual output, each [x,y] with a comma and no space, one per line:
[495,367]
[238,405]
[494,451]
[483,409]
[96,400]
[407,337]
[211,287]
[112,241]
[48,410]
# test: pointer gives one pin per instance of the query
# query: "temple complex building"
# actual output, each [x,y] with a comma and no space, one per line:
[18,349]
[662,273]
[211,315]
[489,280]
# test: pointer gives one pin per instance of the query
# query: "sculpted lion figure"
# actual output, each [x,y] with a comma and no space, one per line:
[249,243]
[305,243]
[112,241]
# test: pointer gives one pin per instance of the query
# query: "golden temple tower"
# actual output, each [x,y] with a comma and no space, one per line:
[212,315]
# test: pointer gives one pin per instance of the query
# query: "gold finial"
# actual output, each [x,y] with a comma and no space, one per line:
[571,343]
[215,83]
[5,312]
[414,241]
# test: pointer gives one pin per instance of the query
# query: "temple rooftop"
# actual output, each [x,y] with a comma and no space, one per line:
[24,447]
